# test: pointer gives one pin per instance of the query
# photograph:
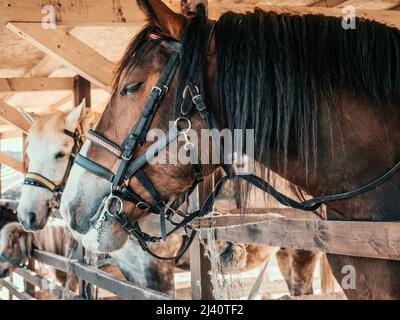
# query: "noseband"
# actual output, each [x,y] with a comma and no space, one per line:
[112,205]
[57,187]
[15,262]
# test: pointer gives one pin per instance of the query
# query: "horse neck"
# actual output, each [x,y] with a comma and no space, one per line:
[358,151]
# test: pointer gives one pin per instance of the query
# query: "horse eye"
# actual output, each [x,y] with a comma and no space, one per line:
[59,155]
[131,88]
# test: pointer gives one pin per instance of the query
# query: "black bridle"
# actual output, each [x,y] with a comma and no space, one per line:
[112,204]
[57,187]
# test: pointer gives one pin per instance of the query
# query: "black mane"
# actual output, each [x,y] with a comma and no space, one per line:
[275,70]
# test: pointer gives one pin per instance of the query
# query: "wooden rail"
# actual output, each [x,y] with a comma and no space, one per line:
[21,295]
[377,240]
[101,279]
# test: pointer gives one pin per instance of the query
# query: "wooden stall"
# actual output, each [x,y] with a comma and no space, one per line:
[55,67]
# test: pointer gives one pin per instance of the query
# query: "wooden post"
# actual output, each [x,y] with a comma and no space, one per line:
[28,287]
[200,265]
[81,91]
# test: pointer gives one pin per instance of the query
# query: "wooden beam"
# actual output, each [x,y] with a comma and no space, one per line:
[35,84]
[11,162]
[70,51]
[123,289]
[107,12]
[42,283]
[15,291]
[371,5]
[350,238]
[14,117]
[72,12]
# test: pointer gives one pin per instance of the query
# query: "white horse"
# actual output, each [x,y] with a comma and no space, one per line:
[49,148]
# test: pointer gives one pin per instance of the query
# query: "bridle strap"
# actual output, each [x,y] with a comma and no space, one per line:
[38,180]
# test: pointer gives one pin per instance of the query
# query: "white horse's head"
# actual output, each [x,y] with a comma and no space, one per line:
[49,149]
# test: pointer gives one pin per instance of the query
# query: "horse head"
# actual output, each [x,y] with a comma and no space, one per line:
[53,141]
[15,248]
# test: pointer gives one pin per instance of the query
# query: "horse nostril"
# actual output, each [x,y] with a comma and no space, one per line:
[31,218]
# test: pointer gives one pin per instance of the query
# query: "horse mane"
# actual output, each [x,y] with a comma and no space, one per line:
[276,70]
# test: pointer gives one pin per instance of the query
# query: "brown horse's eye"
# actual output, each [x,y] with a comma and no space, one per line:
[59,155]
[131,88]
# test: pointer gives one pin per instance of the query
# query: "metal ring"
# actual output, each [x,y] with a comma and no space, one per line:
[189,125]
[108,203]
[146,206]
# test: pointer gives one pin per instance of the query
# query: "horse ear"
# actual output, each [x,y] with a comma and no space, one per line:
[74,117]
[159,15]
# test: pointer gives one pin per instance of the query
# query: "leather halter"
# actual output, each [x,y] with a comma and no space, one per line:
[57,187]
[16,261]
[112,205]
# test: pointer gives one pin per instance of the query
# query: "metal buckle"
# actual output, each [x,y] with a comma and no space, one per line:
[143,206]
[160,91]
[125,158]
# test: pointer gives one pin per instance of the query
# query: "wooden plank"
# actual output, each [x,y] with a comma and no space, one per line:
[56,261]
[70,51]
[351,238]
[121,288]
[11,162]
[371,4]
[14,117]
[10,134]
[124,289]
[35,84]
[72,12]
[15,291]
[107,12]
[52,288]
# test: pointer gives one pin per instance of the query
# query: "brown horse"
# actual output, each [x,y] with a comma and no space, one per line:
[321,112]
[16,246]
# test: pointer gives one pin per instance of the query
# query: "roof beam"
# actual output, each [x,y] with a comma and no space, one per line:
[11,162]
[371,5]
[10,134]
[72,12]
[14,117]
[388,17]
[35,84]
[70,51]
